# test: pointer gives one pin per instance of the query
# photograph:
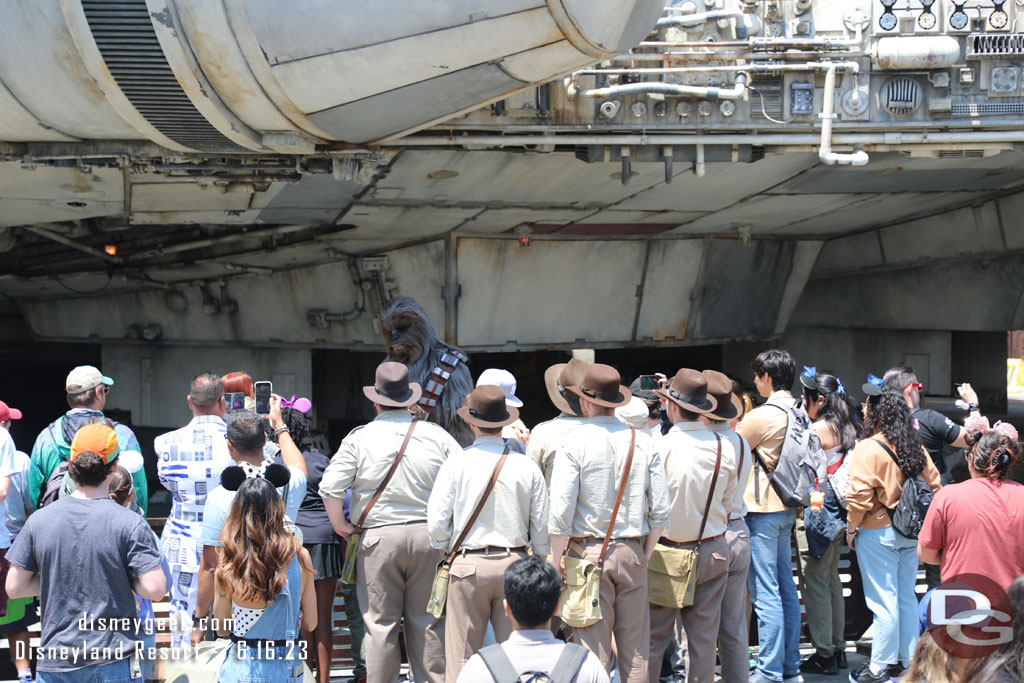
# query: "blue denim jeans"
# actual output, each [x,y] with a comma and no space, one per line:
[773,593]
[888,566]
[115,672]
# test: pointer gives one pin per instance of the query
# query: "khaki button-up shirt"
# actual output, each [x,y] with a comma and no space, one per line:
[515,514]
[690,451]
[365,456]
[739,505]
[764,428]
[586,476]
[545,439]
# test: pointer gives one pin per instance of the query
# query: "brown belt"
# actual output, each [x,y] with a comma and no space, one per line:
[600,539]
[687,544]
[494,549]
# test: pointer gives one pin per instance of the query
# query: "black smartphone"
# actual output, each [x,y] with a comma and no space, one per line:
[235,400]
[262,391]
[648,382]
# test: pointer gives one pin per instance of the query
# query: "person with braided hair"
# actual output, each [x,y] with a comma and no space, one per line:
[890,452]
[974,527]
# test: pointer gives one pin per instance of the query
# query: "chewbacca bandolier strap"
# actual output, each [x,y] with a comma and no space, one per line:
[434,386]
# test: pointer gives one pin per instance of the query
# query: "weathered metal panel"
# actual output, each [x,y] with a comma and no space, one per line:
[18,124]
[406,107]
[49,194]
[552,292]
[614,27]
[314,27]
[41,66]
[542,63]
[803,263]
[401,222]
[948,234]
[741,288]
[673,267]
[326,81]
[876,209]
[863,250]
[767,213]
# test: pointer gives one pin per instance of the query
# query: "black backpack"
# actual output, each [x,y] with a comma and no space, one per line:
[50,491]
[915,499]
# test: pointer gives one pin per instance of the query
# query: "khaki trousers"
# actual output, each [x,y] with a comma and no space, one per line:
[624,609]
[476,592]
[733,631]
[823,594]
[394,576]
[700,620]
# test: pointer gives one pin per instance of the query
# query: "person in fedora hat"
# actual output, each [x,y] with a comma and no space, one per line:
[732,630]
[401,566]
[546,437]
[585,482]
[701,468]
[514,518]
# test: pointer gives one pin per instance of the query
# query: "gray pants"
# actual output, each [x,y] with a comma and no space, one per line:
[734,629]
[823,594]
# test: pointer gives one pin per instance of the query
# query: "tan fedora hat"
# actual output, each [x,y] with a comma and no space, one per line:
[689,390]
[392,387]
[602,385]
[486,407]
[720,388]
[560,376]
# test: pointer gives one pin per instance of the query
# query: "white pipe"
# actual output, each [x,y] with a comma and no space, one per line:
[699,168]
[660,88]
[858,157]
[700,18]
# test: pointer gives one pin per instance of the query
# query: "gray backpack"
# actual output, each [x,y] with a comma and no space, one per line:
[915,499]
[801,461]
[566,669]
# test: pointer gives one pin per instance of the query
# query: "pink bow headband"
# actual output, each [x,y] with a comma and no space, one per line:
[302,405]
[979,423]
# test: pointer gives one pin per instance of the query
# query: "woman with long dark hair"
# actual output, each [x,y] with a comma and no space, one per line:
[888,560]
[264,582]
[820,534]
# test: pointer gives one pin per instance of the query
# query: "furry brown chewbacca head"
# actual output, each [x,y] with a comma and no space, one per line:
[407,330]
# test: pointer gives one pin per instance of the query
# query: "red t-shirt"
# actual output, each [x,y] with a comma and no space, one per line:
[979,527]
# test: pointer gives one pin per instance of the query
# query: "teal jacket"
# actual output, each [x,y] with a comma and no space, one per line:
[53,445]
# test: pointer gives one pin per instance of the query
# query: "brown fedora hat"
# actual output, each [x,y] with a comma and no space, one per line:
[602,385]
[560,376]
[486,407]
[392,387]
[689,390]
[720,388]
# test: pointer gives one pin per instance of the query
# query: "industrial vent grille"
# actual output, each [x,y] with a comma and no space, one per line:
[987,109]
[125,37]
[771,91]
[901,97]
[994,44]
[961,154]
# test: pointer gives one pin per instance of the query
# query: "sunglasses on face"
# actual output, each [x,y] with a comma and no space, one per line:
[917,385]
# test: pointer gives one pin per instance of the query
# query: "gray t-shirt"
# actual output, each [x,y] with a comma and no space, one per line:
[89,553]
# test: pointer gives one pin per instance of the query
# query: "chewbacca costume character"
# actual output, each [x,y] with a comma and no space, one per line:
[441,369]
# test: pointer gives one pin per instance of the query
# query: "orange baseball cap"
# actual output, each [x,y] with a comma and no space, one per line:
[98,439]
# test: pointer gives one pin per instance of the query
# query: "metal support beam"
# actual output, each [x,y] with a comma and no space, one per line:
[68,242]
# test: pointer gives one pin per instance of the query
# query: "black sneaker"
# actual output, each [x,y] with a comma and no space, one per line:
[895,671]
[841,660]
[864,675]
[816,664]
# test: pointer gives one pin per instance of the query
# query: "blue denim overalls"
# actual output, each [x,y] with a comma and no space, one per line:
[249,663]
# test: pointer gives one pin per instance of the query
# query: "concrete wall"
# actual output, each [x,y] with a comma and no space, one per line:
[152,380]
[852,354]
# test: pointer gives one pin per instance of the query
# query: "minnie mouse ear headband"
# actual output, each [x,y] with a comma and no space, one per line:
[232,477]
[980,423]
[807,378]
[873,387]
[302,405]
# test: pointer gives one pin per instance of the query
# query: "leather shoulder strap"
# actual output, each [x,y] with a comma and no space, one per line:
[711,491]
[618,499]
[479,507]
[387,477]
